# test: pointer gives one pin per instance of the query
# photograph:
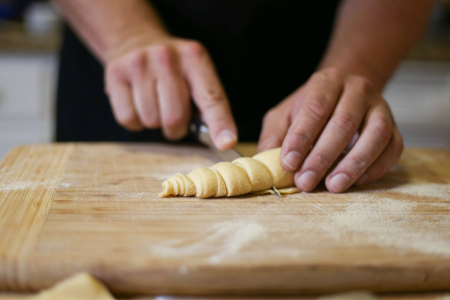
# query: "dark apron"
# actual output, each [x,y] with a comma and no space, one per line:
[263,51]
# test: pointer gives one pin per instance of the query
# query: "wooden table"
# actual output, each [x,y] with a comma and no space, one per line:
[94,207]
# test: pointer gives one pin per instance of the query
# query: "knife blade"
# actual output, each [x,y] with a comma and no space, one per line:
[201,131]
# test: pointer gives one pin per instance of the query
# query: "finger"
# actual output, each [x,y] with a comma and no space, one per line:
[274,129]
[338,133]
[172,92]
[208,95]
[144,90]
[121,100]
[319,99]
[385,161]
[373,140]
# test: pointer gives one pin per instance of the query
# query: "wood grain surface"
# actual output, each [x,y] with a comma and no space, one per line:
[94,207]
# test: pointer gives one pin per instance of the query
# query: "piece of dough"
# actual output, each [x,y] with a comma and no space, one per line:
[78,287]
[255,174]
[349,296]
[271,159]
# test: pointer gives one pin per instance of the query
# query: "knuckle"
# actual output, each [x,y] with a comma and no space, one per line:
[163,54]
[270,115]
[150,122]
[137,60]
[383,131]
[193,49]
[126,119]
[318,108]
[213,98]
[113,69]
[322,161]
[357,163]
[362,84]
[346,123]
[332,73]
[174,121]
[301,138]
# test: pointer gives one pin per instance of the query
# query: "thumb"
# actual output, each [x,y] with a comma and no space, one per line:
[275,128]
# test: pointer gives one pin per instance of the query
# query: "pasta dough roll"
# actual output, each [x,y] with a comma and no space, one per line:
[244,175]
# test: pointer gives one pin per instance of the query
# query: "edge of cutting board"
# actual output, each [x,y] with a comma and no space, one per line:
[30,176]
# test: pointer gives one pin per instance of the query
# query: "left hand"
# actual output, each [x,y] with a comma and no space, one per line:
[316,123]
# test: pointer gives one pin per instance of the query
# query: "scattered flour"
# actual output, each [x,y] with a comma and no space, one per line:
[137,195]
[299,225]
[28,184]
[65,184]
[387,222]
[237,235]
[433,190]
[223,240]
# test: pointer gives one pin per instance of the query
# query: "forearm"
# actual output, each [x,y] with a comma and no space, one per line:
[372,36]
[104,24]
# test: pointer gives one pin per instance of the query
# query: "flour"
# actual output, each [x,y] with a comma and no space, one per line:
[27,185]
[132,195]
[432,190]
[223,240]
[392,223]
[65,185]
[237,235]
[298,227]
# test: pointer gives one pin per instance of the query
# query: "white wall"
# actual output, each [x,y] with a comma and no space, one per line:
[419,96]
[27,89]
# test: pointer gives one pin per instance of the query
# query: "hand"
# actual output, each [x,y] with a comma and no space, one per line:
[316,123]
[150,82]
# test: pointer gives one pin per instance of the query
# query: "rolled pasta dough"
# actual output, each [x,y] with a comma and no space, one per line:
[255,174]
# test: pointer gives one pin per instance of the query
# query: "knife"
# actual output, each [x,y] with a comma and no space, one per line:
[201,131]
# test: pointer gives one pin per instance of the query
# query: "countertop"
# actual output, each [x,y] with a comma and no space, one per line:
[14,39]
[434,46]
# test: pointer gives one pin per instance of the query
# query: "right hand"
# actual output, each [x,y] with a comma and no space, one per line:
[150,82]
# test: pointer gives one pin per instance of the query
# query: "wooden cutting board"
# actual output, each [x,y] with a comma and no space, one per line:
[67,208]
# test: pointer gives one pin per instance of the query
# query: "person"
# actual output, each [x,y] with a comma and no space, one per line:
[303,75]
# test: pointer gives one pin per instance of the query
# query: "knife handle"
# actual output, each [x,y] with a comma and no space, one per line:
[201,132]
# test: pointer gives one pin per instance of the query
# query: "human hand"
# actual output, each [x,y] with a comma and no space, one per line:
[150,81]
[316,123]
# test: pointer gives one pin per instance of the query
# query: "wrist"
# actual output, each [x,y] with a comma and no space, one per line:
[134,37]
[356,65]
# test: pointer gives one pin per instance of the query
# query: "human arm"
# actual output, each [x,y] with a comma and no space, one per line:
[151,75]
[344,96]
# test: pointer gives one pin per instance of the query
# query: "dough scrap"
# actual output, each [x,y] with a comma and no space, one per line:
[78,287]
[350,296]
[244,175]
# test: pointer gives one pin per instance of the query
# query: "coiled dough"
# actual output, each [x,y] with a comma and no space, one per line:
[244,175]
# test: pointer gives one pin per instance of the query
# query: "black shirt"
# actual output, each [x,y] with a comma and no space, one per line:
[263,50]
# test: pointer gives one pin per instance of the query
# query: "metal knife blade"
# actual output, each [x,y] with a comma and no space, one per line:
[202,133]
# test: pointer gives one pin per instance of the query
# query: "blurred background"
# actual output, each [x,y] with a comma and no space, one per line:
[419,92]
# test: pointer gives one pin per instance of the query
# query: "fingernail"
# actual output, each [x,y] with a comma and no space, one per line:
[292,159]
[339,182]
[226,139]
[307,180]
[362,179]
